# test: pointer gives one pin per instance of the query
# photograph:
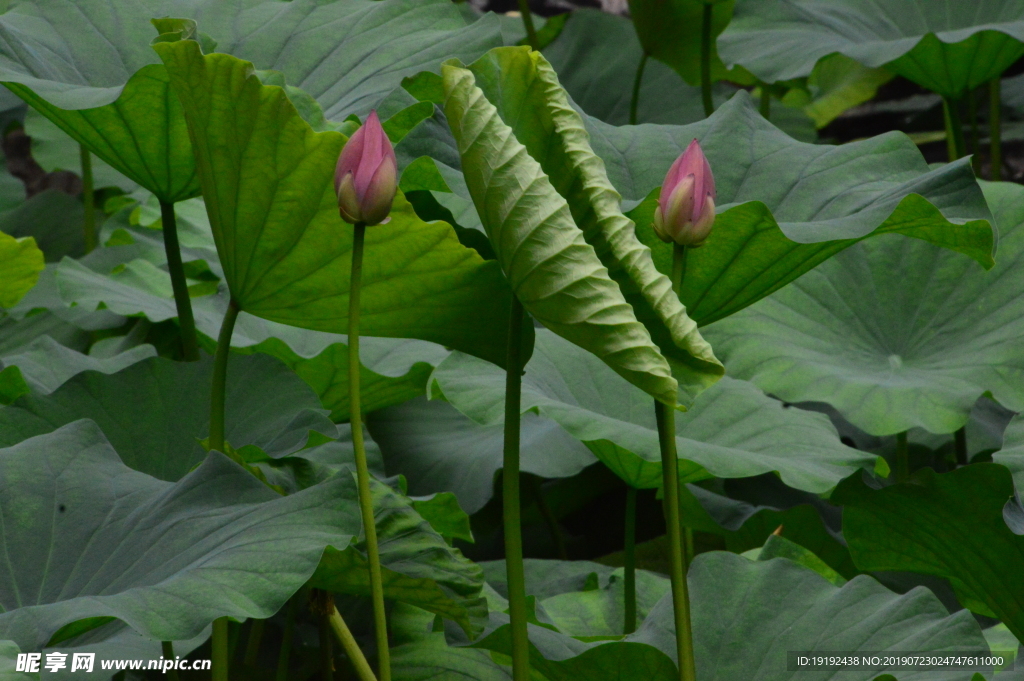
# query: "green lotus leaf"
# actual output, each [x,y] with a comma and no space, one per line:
[154,418]
[1011,454]
[838,83]
[732,430]
[526,92]
[946,46]
[670,31]
[285,252]
[747,615]
[8,664]
[894,332]
[430,657]
[784,206]
[956,525]
[21,261]
[89,537]
[420,568]
[109,92]
[554,272]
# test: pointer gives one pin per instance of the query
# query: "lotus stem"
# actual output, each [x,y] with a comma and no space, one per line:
[380,621]
[284,655]
[219,649]
[955,144]
[348,642]
[533,482]
[252,646]
[705,60]
[960,445]
[666,418]
[765,105]
[995,117]
[186,322]
[88,199]
[972,114]
[516,573]
[218,385]
[902,458]
[531,32]
[629,609]
[167,650]
[634,102]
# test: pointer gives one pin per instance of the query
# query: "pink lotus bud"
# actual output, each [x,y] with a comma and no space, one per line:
[686,208]
[366,177]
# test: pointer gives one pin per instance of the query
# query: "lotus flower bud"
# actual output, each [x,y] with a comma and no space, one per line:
[686,208]
[366,177]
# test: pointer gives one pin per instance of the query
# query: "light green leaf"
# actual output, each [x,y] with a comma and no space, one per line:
[528,97]
[838,83]
[748,615]
[952,525]
[21,261]
[268,185]
[894,333]
[552,269]
[87,536]
[946,46]
[45,364]
[783,206]
[732,430]
[779,547]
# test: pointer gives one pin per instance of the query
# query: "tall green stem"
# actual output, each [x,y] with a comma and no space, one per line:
[670,482]
[531,32]
[765,106]
[902,471]
[634,101]
[284,656]
[705,60]
[252,647]
[972,115]
[167,650]
[380,622]
[88,199]
[955,144]
[187,323]
[510,509]
[960,445]
[629,582]
[220,654]
[348,642]
[995,118]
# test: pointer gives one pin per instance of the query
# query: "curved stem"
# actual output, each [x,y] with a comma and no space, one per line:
[284,656]
[765,106]
[348,642]
[89,201]
[634,102]
[902,471]
[187,323]
[995,117]
[380,621]
[218,384]
[705,60]
[167,650]
[510,508]
[678,269]
[955,143]
[629,618]
[960,446]
[531,32]
[219,649]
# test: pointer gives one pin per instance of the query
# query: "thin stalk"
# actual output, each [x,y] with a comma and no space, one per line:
[88,199]
[252,646]
[219,649]
[705,61]
[348,642]
[533,482]
[531,32]
[766,102]
[637,79]
[955,144]
[972,115]
[510,508]
[380,621]
[323,621]
[284,656]
[995,117]
[167,649]
[187,323]
[220,374]
[902,471]
[960,445]
[670,482]
[629,618]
